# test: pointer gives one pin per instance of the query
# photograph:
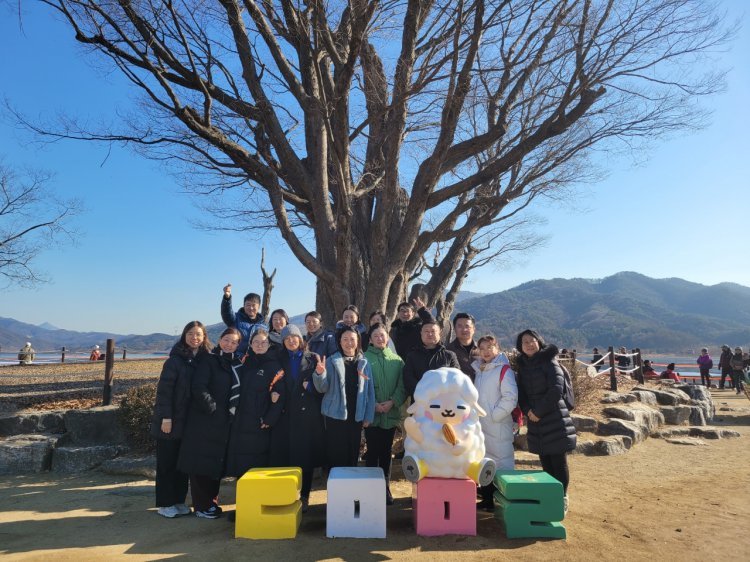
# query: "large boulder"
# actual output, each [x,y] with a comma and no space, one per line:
[671,397]
[635,431]
[616,398]
[32,422]
[676,415]
[584,423]
[95,426]
[616,445]
[645,397]
[639,413]
[26,453]
[80,459]
[697,416]
[584,447]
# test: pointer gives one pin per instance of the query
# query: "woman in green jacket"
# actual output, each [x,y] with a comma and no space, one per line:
[387,370]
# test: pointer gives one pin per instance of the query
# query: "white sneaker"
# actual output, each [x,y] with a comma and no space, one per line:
[565,504]
[182,509]
[170,512]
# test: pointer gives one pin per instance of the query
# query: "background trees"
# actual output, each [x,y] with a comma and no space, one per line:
[387,141]
[31,220]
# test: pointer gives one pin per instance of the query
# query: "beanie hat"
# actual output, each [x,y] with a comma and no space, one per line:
[290,330]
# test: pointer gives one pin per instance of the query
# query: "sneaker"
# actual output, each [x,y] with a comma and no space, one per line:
[182,509]
[565,504]
[212,512]
[169,512]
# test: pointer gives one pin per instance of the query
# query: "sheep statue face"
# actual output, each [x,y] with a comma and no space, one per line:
[443,436]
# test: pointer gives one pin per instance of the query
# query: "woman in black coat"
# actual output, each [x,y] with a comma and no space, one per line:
[260,405]
[170,413]
[541,381]
[204,442]
[299,439]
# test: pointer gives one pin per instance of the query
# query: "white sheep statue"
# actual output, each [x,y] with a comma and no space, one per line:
[444,438]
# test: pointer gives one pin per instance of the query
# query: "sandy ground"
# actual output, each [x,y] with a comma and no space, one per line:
[660,502]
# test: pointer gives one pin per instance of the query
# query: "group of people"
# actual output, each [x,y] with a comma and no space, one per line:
[267,395]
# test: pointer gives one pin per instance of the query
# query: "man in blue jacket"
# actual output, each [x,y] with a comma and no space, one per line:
[247,319]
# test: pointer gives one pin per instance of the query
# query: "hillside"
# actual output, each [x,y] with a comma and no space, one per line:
[627,309]
[630,309]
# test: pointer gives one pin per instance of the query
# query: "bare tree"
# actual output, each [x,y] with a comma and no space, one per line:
[31,220]
[369,134]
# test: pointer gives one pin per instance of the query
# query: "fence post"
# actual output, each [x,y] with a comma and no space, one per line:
[62,359]
[109,363]
[639,364]
[124,353]
[612,375]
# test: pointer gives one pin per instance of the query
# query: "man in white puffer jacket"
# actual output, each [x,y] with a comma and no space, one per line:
[498,400]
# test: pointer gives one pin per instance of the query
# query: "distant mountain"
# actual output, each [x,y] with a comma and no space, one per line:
[13,334]
[48,326]
[629,309]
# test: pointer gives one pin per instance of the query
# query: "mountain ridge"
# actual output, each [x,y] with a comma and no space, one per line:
[626,308]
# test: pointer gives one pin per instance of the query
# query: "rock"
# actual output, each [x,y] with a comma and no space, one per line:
[616,397]
[696,416]
[705,432]
[94,426]
[32,422]
[143,466]
[639,413]
[584,447]
[671,397]
[667,432]
[584,423]
[686,441]
[644,396]
[616,445]
[676,415]
[80,459]
[729,433]
[26,453]
[635,431]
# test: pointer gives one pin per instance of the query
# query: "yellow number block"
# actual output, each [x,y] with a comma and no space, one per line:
[268,505]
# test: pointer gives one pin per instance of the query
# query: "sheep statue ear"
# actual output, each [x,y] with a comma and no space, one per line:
[479,410]
[412,408]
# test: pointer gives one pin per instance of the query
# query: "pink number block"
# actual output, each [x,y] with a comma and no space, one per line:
[445,506]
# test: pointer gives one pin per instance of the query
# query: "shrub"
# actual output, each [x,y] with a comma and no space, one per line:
[136,412]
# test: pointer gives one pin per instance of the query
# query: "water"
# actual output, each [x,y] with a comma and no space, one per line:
[50,357]
[685,365]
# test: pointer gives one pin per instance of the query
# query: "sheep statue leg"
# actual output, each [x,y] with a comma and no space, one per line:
[482,472]
[414,468]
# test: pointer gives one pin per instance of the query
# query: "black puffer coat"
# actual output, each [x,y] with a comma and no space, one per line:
[249,444]
[173,390]
[299,437]
[204,442]
[421,360]
[540,388]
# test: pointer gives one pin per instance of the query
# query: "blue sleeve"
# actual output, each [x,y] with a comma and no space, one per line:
[227,314]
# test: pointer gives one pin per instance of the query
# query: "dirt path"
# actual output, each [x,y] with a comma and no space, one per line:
[659,502]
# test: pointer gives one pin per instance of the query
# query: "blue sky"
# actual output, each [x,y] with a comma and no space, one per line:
[140,266]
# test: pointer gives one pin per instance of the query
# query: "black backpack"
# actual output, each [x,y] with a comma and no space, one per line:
[568,396]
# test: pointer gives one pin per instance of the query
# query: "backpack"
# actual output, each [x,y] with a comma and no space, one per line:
[516,414]
[568,396]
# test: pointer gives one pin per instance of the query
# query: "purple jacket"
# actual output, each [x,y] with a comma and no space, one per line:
[705,363]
